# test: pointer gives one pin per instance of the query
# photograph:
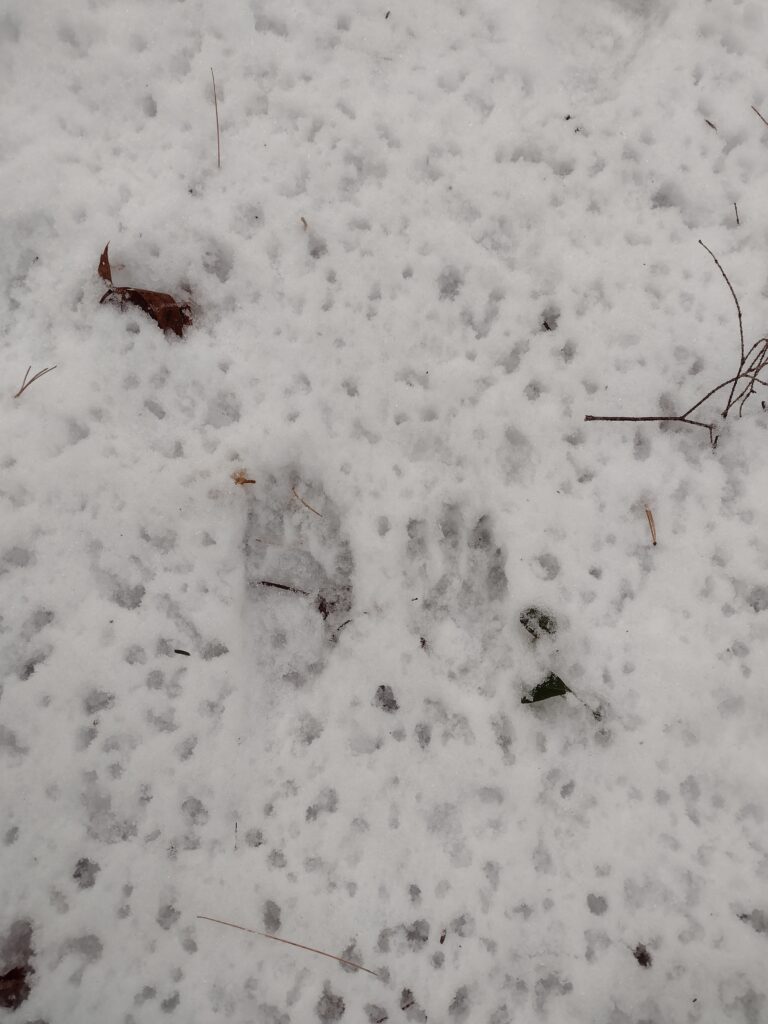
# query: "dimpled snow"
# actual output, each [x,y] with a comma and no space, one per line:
[324,612]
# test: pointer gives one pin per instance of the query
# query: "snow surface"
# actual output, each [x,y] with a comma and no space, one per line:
[502,204]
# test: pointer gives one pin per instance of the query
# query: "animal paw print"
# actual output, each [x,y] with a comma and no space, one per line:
[460,569]
[299,577]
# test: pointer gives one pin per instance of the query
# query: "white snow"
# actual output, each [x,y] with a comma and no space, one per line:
[441,235]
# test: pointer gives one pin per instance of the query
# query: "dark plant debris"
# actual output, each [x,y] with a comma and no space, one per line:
[15,987]
[16,952]
[641,954]
[538,623]
[167,313]
[552,686]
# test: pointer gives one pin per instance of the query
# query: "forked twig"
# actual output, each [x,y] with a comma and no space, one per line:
[655,419]
[218,136]
[751,364]
[26,383]
[287,942]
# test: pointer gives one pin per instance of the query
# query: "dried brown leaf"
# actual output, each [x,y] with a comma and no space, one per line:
[163,308]
[167,313]
[105,270]
[241,477]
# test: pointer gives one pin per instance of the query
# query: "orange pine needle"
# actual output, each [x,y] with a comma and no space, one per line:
[304,503]
[287,942]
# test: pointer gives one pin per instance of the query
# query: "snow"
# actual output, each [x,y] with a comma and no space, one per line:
[439,237]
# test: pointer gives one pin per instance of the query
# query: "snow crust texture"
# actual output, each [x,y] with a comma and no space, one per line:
[272,595]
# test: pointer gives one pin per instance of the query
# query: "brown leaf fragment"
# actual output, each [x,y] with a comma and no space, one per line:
[105,270]
[163,308]
[15,987]
[167,313]
[240,476]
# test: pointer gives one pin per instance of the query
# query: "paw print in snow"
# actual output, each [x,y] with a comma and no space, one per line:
[298,576]
[460,571]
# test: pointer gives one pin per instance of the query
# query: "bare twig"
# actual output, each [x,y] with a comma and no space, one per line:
[733,293]
[283,586]
[216,108]
[760,116]
[305,504]
[653,419]
[287,942]
[26,383]
[751,364]
[651,524]
[737,214]
[335,635]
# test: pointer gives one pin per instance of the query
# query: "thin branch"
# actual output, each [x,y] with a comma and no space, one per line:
[287,942]
[218,136]
[751,364]
[654,419]
[756,367]
[760,116]
[636,419]
[283,586]
[731,380]
[651,524]
[733,293]
[305,504]
[26,383]
[737,214]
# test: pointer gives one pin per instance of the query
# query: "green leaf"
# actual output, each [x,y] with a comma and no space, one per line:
[552,686]
[538,622]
